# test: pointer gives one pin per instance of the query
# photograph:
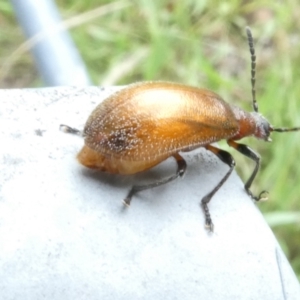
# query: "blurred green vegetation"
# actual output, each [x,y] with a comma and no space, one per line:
[201,43]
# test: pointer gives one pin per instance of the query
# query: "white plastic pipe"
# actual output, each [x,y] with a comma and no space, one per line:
[55,54]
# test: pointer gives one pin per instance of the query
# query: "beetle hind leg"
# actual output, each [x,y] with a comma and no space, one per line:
[68,129]
[181,168]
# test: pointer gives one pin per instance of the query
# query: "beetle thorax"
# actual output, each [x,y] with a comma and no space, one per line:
[251,123]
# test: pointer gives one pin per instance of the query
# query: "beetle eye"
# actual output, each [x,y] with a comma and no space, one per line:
[266,132]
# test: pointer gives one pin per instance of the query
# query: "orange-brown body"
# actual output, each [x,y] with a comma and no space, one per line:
[145,123]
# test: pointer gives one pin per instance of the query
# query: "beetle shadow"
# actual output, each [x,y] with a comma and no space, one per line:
[120,185]
[125,182]
[112,180]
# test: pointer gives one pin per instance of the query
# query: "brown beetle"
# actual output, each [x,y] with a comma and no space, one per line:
[143,124]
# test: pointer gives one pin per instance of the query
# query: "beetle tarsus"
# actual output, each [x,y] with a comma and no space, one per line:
[209,226]
[263,196]
[128,198]
[127,201]
[208,222]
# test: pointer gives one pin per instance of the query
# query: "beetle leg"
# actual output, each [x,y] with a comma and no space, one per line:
[181,168]
[244,149]
[228,160]
[68,129]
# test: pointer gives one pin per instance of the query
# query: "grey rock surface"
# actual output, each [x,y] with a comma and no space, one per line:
[65,234]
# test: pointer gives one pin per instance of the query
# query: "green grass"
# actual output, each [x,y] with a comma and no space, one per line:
[201,43]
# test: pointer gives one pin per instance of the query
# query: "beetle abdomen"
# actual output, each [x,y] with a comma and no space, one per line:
[95,160]
[152,120]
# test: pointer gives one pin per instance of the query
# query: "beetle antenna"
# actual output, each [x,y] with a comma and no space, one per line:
[253,65]
[286,129]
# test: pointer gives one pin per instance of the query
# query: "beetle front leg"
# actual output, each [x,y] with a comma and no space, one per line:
[245,150]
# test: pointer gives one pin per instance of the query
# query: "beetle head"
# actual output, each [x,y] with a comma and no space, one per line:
[263,127]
